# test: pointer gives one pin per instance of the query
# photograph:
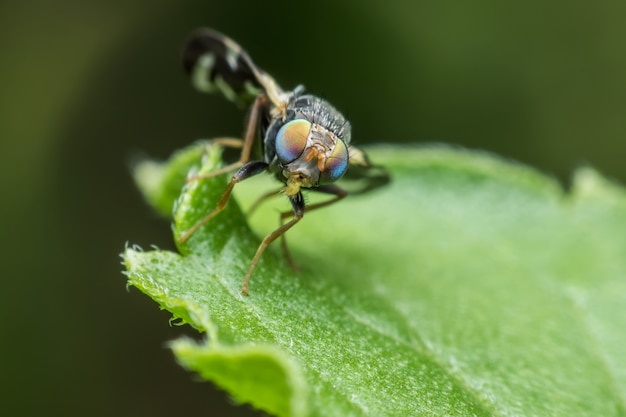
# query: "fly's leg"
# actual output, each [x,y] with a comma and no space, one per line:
[363,174]
[245,144]
[297,203]
[338,193]
[250,169]
[227,142]
[262,199]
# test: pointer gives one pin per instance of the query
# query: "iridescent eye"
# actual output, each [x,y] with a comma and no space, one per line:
[336,163]
[291,140]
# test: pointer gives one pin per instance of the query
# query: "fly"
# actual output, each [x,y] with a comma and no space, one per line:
[305,141]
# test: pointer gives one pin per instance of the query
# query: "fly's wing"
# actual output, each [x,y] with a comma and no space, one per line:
[362,175]
[215,63]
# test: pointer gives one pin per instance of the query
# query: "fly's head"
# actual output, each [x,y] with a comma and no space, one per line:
[309,155]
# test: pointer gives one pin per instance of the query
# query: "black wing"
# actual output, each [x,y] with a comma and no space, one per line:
[215,62]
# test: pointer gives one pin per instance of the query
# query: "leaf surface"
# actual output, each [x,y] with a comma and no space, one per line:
[469,286]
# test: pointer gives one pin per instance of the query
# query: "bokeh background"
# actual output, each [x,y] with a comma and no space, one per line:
[86,86]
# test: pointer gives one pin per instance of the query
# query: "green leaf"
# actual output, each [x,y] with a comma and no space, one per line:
[469,286]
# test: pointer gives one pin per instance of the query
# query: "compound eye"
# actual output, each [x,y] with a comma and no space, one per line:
[291,140]
[336,163]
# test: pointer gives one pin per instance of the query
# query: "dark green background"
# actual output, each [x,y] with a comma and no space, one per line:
[87,86]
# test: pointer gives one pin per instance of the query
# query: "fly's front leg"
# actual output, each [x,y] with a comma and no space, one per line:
[297,203]
[338,193]
[245,144]
[248,170]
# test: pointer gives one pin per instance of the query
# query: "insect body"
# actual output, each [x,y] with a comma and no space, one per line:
[305,141]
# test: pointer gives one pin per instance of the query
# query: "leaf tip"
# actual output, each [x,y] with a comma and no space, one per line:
[263,376]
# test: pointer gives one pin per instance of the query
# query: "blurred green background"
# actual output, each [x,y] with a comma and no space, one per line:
[89,85]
